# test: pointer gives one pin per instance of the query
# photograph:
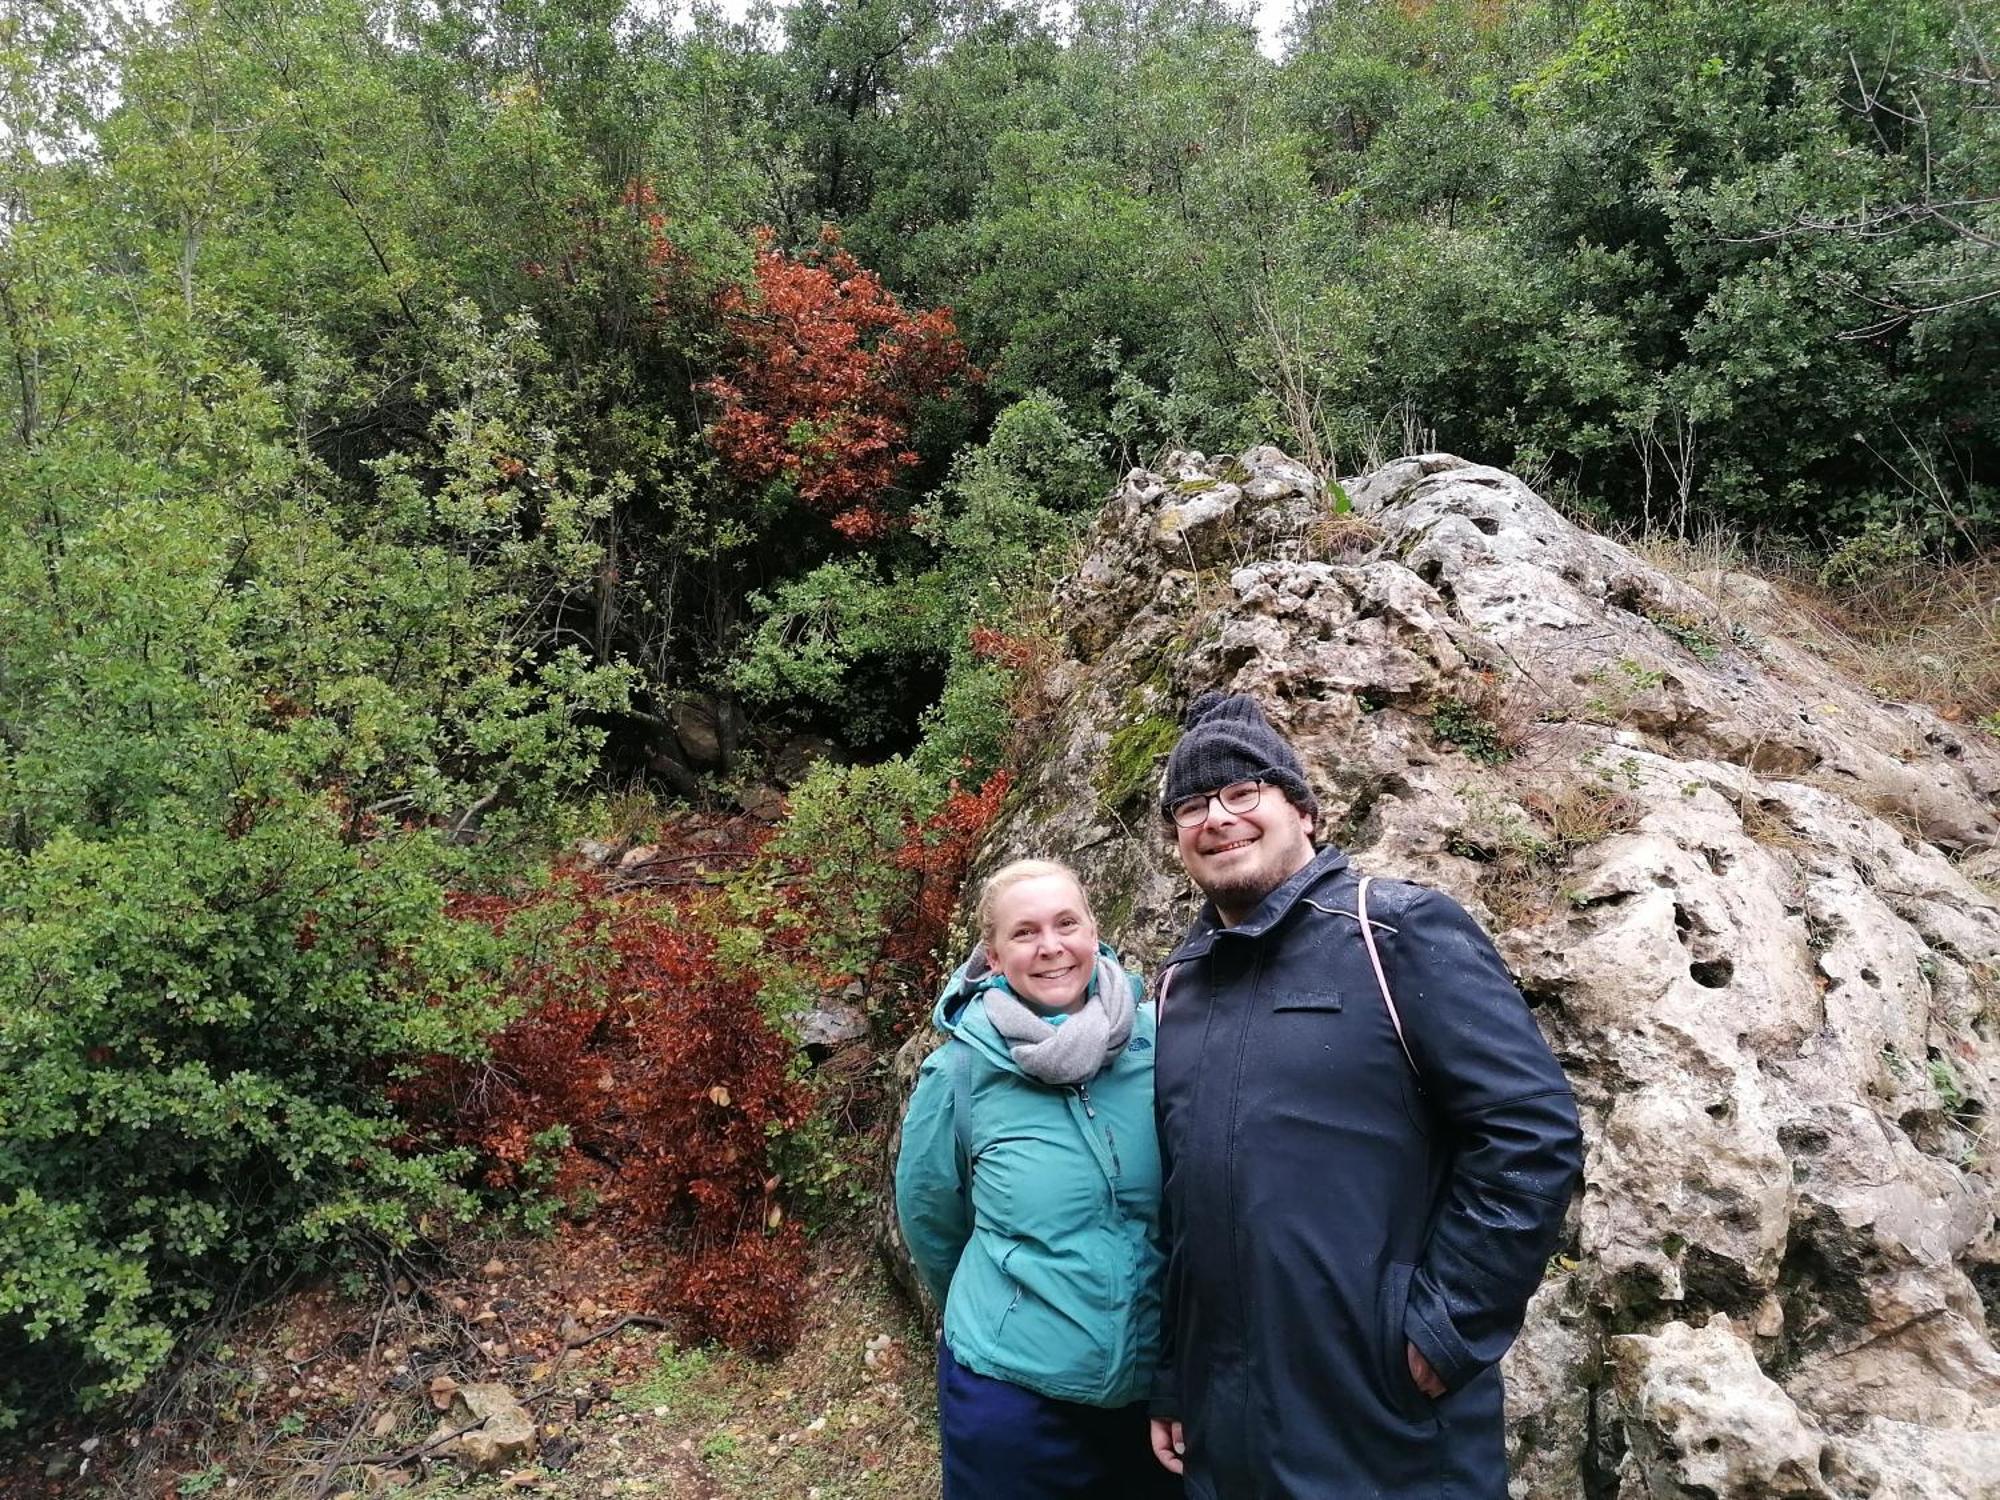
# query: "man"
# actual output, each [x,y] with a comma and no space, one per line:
[1359,1200]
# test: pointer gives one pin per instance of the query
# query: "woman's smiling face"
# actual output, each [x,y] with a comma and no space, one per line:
[1045,941]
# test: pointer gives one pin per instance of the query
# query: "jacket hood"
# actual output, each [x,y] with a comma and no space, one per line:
[1272,910]
[955,1015]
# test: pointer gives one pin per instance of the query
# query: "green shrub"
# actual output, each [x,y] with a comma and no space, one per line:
[204,1022]
[847,638]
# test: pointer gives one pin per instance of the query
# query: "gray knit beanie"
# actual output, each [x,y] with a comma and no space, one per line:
[1226,738]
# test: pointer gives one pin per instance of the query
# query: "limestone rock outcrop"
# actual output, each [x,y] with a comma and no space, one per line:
[1753,906]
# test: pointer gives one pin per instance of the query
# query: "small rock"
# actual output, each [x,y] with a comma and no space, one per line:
[764,803]
[506,1433]
[384,1424]
[442,1389]
[90,1445]
[829,1024]
[494,1269]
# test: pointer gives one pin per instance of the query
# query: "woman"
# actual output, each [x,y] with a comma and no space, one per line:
[1028,1189]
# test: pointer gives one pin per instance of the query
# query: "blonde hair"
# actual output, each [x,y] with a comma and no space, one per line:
[1013,874]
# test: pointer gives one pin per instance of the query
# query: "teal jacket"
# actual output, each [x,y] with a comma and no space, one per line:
[1040,1236]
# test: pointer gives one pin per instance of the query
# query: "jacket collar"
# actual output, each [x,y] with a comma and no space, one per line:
[1270,912]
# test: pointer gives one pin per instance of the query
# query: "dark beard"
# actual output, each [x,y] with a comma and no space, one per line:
[1241,897]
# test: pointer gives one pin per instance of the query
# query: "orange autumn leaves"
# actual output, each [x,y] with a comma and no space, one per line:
[826,372]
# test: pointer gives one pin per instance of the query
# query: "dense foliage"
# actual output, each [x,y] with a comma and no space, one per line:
[413,407]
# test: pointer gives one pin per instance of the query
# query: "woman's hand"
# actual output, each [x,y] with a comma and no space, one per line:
[1168,1444]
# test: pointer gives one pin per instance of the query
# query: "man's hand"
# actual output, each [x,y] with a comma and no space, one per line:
[1169,1443]
[1420,1371]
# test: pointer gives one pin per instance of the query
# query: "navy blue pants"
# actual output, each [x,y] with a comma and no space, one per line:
[1005,1442]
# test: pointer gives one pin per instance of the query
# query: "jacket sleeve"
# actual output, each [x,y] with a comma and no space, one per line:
[1517,1151]
[1164,1399]
[933,1180]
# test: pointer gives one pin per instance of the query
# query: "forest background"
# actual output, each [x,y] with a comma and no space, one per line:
[436,432]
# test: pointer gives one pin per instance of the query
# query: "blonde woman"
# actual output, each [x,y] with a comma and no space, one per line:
[1028,1188]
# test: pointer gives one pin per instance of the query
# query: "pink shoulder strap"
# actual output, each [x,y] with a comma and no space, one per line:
[1381,979]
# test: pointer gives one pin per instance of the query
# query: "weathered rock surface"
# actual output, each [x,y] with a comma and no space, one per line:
[1744,896]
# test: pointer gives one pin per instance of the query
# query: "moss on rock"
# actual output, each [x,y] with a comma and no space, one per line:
[1130,759]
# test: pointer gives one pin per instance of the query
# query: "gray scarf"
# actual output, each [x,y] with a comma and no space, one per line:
[1076,1051]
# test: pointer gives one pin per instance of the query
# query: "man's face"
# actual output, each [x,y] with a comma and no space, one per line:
[1240,858]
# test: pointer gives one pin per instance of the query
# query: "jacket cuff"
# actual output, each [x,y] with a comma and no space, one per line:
[1165,1400]
[1427,1325]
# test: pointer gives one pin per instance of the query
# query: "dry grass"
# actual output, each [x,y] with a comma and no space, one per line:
[1583,812]
[1487,716]
[1929,631]
[1526,859]
[1919,629]
[1344,537]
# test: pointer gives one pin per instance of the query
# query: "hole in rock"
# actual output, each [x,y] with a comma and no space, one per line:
[1485,525]
[1986,1282]
[1541,999]
[1712,973]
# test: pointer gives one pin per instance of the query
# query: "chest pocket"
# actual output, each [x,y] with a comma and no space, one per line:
[1325,1001]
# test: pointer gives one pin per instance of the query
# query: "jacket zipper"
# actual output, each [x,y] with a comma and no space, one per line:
[1117,1171]
[1110,1140]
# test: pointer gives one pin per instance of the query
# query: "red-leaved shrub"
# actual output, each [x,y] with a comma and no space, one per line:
[825,374]
[659,1064]
[937,851]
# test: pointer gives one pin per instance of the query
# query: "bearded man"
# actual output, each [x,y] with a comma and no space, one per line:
[1368,1152]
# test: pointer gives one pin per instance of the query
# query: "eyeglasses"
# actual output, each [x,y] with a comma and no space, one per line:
[1237,797]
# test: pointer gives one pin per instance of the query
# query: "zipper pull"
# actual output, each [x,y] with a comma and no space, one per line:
[1083,1094]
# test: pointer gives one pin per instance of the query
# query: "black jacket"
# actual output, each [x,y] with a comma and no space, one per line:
[1324,1204]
